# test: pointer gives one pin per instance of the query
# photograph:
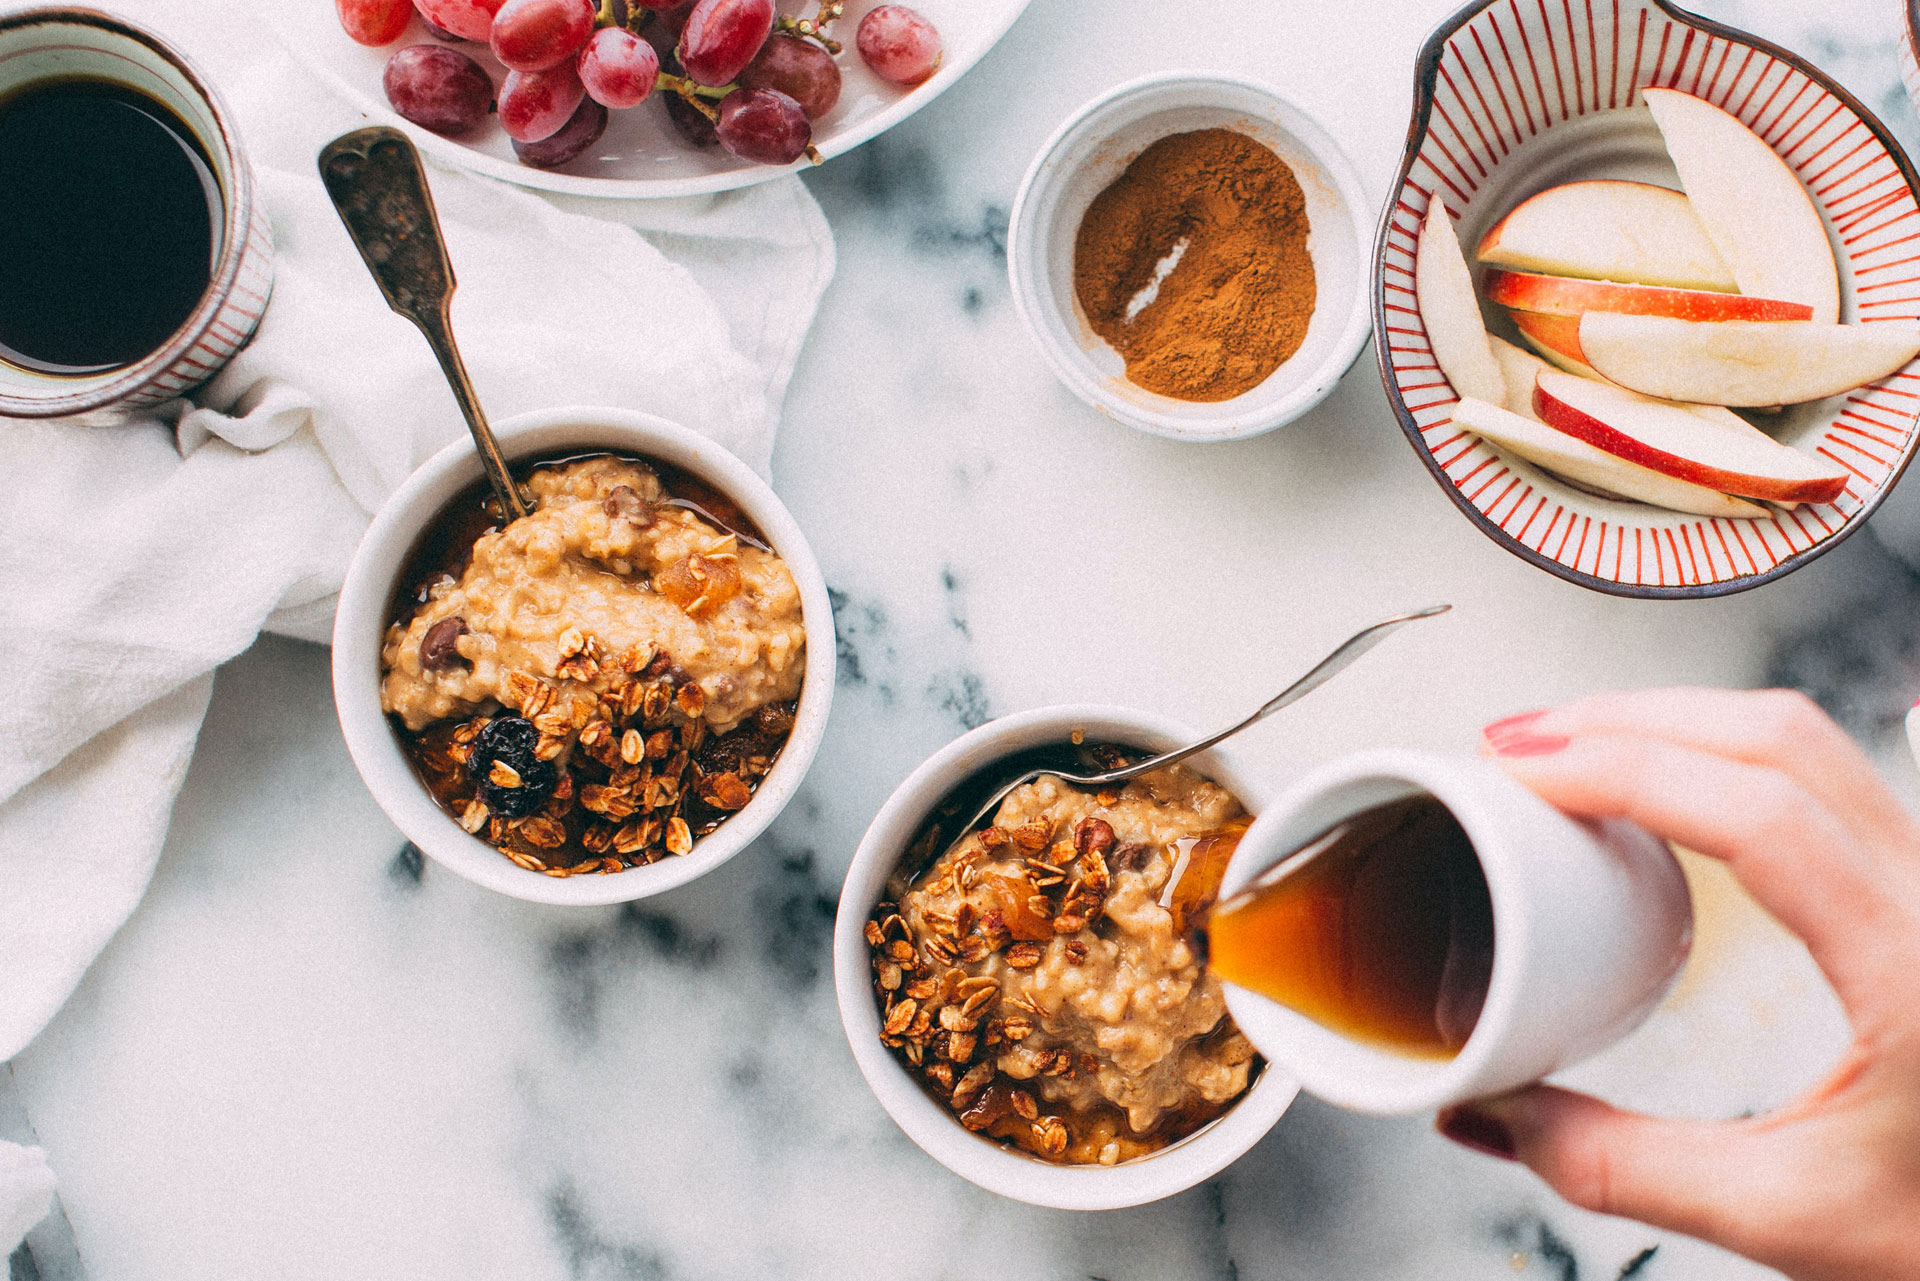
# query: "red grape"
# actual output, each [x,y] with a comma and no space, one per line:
[618,68]
[763,125]
[690,122]
[721,37]
[536,104]
[533,35]
[799,68]
[374,22]
[581,131]
[661,6]
[441,33]
[438,88]
[468,19]
[899,44]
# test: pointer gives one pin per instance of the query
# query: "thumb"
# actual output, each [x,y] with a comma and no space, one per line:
[1701,1178]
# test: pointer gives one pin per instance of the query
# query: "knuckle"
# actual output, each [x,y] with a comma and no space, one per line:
[1583,1174]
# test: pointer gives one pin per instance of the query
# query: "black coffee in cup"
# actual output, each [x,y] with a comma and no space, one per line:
[110,219]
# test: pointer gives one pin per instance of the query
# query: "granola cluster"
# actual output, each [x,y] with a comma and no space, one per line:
[637,776]
[1035,981]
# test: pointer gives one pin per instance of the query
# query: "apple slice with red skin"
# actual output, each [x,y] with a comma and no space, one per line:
[1609,230]
[1740,362]
[1564,296]
[1583,464]
[1670,439]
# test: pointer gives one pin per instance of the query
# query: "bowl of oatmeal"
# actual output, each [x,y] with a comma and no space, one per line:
[1026,1000]
[600,700]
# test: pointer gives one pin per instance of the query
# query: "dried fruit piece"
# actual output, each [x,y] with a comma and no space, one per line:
[700,584]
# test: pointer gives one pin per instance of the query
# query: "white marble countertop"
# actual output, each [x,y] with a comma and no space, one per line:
[309,1056]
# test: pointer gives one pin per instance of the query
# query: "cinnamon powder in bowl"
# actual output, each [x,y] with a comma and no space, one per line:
[1190,253]
[1193,265]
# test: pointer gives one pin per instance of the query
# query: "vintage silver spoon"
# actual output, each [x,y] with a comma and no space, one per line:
[380,191]
[1062,760]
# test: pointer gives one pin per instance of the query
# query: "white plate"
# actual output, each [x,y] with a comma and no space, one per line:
[641,154]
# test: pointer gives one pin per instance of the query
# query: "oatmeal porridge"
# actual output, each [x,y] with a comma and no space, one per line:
[1040,978]
[599,683]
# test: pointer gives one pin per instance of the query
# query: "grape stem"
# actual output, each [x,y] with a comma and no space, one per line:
[692,90]
[815,28]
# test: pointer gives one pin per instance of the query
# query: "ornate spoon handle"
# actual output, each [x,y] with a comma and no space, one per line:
[380,191]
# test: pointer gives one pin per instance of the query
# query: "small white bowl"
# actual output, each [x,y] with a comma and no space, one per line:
[361,623]
[1084,157]
[1011,1173]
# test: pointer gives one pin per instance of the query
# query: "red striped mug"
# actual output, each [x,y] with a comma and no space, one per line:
[63,42]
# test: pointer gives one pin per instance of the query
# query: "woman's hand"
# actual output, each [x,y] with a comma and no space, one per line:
[1826,1188]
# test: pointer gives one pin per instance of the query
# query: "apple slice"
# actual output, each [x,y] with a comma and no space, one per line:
[1555,337]
[1564,296]
[1443,287]
[1583,464]
[1741,362]
[1519,369]
[1757,213]
[1609,230]
[1669,439]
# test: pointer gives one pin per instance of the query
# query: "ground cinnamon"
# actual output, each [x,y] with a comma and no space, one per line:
[1236,301]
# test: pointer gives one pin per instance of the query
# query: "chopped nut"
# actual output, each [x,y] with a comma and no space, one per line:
[1024,956]
[572,641]
[1017,1027]
[873,935]
[1032,837]
[597,838]
[992,838]
[1050,1135]
[1076,952]
[941,1074]
[993,931]
[1069,924]
[724,791]
[1093,836]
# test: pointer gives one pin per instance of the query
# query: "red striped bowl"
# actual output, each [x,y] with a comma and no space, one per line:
[1514,96]
[46,43]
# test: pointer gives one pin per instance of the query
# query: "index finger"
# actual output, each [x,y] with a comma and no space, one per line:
[1778,729]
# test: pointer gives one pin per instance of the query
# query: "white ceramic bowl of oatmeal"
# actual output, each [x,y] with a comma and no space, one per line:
[934,1126]
[361,626]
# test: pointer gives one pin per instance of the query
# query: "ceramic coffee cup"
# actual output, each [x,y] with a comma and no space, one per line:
[66,42]
[1591,922]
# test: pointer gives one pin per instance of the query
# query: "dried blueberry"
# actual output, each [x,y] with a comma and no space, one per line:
[510,741]
[437,648]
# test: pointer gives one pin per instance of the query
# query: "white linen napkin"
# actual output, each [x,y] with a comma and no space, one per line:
[135,559]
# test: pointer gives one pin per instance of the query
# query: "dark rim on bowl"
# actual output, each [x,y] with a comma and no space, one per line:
[1426,74]
[236,194]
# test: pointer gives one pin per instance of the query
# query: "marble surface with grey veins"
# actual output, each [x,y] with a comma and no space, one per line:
[311,1055]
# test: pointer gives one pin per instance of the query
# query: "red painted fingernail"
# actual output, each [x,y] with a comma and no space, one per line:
[1511,725]
[1477,1130]
[1528,744]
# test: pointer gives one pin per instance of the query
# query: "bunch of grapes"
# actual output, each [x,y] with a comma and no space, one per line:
[732,73]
